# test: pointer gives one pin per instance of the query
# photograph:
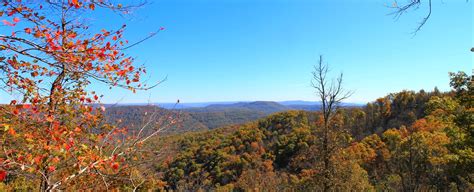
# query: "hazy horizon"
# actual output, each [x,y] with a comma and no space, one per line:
[213,51]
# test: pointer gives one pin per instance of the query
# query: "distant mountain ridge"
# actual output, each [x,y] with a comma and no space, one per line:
[204,116]
[266,107]
[284,105]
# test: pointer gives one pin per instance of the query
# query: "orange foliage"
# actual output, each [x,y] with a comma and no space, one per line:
[427,125]
[55,133]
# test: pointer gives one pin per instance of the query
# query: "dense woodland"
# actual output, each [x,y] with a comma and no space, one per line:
[200,118]
[58,136]
[406,141]
[193,119]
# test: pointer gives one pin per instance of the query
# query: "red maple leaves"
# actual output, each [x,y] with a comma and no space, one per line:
[51,62]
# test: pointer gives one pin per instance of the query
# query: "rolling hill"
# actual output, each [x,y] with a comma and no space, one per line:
[266,107]
[203,116]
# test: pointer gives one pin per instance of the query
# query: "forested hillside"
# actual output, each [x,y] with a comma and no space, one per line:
[196,119]
[202,118]
[135,117]
[406,141]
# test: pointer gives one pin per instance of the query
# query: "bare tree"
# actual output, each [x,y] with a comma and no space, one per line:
[331,93]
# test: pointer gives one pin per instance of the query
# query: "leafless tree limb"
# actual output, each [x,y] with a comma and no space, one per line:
[412,4]
[331,94]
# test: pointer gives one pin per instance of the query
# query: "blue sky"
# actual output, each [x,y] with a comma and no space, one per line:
[247,50]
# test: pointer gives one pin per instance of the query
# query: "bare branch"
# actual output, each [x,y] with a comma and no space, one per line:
[413,4]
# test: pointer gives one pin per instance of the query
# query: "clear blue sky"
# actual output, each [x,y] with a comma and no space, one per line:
[246,50]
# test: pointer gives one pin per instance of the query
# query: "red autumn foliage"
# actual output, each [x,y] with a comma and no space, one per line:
[3,175]
[56,133]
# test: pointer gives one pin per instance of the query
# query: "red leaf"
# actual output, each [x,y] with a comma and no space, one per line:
[28,30]
[115,165]
[75,3]
[38,159]
[16,19]
[3,175]
[68,147]
[51,168]
[5,22]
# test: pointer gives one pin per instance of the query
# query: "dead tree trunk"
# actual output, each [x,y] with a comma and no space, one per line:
[331,94]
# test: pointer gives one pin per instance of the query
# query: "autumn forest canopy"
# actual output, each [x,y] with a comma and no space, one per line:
[60,131]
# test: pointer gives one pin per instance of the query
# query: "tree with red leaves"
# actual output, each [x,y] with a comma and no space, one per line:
[55,133]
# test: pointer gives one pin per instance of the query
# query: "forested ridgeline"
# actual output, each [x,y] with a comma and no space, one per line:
[189,120]
[202,118]
[405,141]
